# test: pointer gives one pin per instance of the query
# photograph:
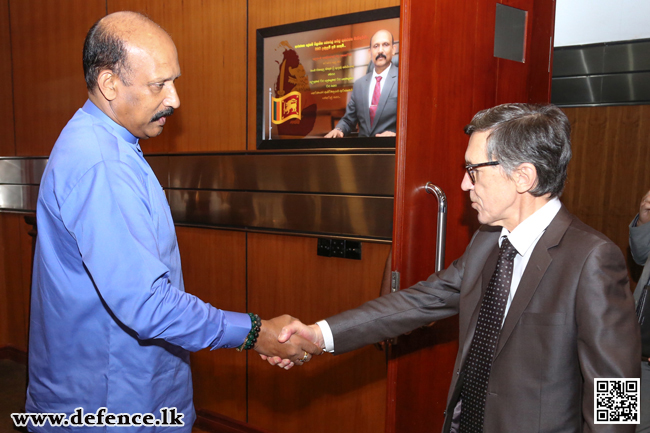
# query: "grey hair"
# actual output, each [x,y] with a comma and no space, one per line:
[537,134]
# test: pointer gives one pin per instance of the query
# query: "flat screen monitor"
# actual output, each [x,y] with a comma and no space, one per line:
[306,73]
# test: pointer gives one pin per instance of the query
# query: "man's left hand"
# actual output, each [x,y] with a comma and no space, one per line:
[386,134]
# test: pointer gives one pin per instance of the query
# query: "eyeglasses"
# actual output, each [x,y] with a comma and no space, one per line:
[471,168]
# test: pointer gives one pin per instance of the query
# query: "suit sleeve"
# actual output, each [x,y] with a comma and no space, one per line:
[639,241]
[348,122]
[608,333]
[391,315]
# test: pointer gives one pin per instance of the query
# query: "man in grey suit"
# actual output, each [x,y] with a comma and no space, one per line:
[562,315]
[640,249]
[373,102]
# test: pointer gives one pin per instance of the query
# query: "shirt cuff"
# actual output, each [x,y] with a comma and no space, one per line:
[237,326]
[328,338]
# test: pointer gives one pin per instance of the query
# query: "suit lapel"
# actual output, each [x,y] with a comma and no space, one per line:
[539,262]
[364,105]
[643,279]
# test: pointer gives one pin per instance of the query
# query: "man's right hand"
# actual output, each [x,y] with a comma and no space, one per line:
[644,210]
[292,350]
[334,133]
[296,329]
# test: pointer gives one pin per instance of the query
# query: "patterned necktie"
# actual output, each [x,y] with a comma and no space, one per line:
[375,100]
[484,343]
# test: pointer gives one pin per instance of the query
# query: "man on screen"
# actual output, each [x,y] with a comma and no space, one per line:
[373,103]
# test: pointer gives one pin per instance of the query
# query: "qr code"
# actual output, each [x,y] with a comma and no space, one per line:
[617,401]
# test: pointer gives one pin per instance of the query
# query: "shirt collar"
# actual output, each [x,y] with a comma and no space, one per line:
[90,108]
[383,74]
[529,230]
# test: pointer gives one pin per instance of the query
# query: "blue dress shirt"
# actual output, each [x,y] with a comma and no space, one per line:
[111,324]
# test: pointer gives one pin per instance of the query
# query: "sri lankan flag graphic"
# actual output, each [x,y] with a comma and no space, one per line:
[286,107]
[292,78]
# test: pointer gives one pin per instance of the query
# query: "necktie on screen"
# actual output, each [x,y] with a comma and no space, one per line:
[484,343]
[375,100]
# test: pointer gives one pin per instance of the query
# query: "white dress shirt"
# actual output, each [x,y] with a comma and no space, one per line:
[524,238]
[373,82]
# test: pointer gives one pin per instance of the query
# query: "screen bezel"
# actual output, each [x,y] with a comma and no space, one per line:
[315,143]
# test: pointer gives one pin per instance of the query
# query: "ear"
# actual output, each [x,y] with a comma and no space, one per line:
[107,82]
[525,177]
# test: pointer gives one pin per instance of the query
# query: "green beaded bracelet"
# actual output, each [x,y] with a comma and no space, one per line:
[251,338]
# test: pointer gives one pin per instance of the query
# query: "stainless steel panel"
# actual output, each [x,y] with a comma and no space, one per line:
[633,56]
[347,195]
[628,57]
[22,170]
[359,216]
[321,173]
[160,166]
[509,33]
[576,90]
[629,88]
[581,60]
[18,197]
[603,74]
[602,89]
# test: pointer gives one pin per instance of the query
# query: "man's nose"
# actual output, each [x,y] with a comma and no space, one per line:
[466,184]
[172,99]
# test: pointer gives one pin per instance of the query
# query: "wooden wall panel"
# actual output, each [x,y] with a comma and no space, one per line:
[7,139]
[15,270]
[267,13]
[210,37]
[439,94]
[47,43]
[608,174]
[214,269]
[330,393]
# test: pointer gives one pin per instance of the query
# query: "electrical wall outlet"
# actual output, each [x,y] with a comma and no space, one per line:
[342,248]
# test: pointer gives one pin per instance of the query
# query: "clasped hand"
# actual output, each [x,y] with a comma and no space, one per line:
[293,349]
[296,341]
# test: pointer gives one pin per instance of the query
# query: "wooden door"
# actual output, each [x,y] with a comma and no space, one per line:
[448,72]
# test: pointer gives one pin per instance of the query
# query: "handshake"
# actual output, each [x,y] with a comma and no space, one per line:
[285,341]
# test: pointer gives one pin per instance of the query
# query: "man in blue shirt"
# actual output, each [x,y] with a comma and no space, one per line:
[111,325]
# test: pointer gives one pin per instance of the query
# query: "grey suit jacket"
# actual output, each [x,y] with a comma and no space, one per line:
[640,249]
[358,109]
[572,320]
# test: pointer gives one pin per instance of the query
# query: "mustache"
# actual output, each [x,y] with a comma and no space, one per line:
[380,55]
[165,113]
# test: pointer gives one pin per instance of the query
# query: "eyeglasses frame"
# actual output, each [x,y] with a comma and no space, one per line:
[470,167]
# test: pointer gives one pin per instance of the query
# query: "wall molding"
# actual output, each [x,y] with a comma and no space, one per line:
[13,354]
